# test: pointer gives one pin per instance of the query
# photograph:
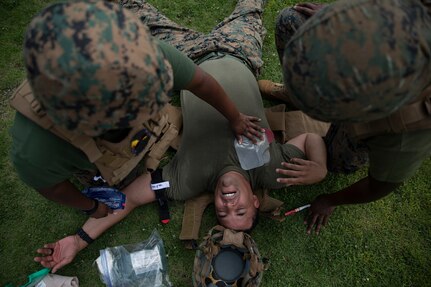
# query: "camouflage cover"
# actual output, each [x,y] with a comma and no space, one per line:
[219,237]
[94,66]
[358,60]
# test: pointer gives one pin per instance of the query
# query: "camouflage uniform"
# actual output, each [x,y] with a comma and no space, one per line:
[391,43]
[241,34]
[94,66]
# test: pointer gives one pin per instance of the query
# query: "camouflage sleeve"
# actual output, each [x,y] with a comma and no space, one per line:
[183,67]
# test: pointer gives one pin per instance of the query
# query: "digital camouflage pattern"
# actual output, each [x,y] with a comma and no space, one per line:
[358,60]
[241,34]
[94,66]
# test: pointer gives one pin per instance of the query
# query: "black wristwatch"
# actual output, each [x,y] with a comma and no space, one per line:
[84,236]
[93,209]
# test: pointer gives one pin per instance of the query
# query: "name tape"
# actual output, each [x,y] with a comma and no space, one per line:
[160,185]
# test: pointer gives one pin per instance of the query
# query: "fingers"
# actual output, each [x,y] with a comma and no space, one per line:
[61,264]
[45,251]
[238,139]
[254,119]
[317,220]
[256,133]
[45,263]
[292,167]
[308,9]
[318,225]
[311,224]
[304,10]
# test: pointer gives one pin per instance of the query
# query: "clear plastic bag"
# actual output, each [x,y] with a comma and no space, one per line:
[252,155]
[135,265]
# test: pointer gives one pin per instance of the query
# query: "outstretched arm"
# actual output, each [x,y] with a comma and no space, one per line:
[67,194]
[300,171]
[58,254]
[366,190]
[208,89]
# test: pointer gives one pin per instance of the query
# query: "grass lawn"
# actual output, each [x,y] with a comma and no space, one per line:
[385,243]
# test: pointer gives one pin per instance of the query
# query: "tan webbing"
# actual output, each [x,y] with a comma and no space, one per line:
[24,102]
[233,238]
[292,124]
[193,210]
[113,160]
[416,116]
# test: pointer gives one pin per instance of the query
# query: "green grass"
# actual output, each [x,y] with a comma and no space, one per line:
[385,243]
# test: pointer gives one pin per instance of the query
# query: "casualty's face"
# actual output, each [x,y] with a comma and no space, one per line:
[235,202]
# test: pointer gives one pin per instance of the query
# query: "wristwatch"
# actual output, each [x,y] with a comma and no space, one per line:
[93,209]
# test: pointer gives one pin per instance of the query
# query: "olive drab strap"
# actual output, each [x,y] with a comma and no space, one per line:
[114,160]
[412,117]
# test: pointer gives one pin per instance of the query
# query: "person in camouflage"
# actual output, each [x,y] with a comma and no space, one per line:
[95,69]
[206,160]
[358,61]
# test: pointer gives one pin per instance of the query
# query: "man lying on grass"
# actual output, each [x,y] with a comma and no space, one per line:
[206,160]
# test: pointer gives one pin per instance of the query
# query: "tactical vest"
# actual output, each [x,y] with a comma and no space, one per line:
[413,117]
[148,140]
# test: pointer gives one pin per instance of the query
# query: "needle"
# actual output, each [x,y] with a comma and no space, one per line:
[293,211]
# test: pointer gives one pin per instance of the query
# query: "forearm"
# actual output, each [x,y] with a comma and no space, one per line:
[208,89]
[315,149]
[364,191]
[138,193]
[67,194]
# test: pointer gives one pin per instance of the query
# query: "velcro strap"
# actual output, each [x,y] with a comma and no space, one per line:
[192,216]
[156,177]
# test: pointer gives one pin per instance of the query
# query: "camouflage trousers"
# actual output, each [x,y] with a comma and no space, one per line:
[240,35]
[345,154]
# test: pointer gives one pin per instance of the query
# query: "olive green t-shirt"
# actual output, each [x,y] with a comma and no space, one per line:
[207,145]
[396,157]
[42,159]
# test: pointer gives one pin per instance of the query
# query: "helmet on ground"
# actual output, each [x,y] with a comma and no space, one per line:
[94,66]
[227,258]
[358,61]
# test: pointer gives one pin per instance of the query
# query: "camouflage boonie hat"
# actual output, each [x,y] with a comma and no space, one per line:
[359,60]
[228,258]
[94,66]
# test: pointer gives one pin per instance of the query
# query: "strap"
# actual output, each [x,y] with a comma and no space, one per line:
[233,238]
[287,125]
[84,236]
[192,216]
[159,188]
[416,116]
[24,102]
[270,207]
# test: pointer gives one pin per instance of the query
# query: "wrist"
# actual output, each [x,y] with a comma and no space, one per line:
[83,238]
[93,209]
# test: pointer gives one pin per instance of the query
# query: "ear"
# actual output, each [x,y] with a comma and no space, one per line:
[256,201]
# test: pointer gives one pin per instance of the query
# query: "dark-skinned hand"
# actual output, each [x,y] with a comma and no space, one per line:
[318,216]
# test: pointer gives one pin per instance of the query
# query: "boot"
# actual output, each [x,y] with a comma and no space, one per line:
[275,91]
